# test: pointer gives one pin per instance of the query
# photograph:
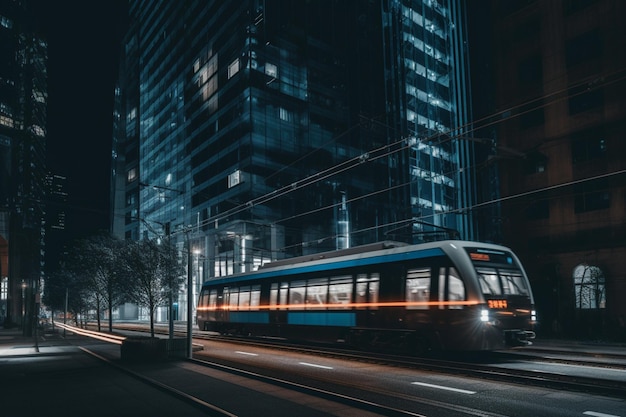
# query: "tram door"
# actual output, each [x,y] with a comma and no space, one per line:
[451,307]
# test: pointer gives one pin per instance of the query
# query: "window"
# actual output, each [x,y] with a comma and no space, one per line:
[489,283]
[213,300]
[340,291]
[583,48]
[418,288]
[316,293]
[278,295]
[588,145]
[6,22]
[273,296]
[367,290]
[271,70]
[233,68]
[456,288]
[4,288]
[451,289]
[513,282]
[244,298]
[297,292]
[591,196]
[585,101]
[538,210]
[131,175]
[530,72]
[284,114]
[589,287]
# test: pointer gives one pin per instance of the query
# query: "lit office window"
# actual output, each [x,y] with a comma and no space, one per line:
[284,115]
[6,22]
[271,70]
[38,131]
[131,175]
[6,121]
[233,68]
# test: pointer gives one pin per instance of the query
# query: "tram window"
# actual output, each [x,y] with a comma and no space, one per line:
[255,296]
[489,282]
[513,282]
[282,295]
[297,294]
[233,297]
[373,291]
[418,288]
[456,289]
[213,299]
[367,290]
[373,288]
[244,297]
[316,293]
[340,291]
[273,295]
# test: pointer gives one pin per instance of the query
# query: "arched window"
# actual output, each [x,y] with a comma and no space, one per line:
[589,287]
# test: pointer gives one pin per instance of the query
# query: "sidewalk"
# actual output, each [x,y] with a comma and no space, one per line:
[62,380]
[59,379]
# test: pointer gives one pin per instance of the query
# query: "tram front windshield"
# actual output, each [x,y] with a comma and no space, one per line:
[498,273]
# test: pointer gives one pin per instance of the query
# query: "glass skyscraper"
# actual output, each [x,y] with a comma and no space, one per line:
[23,120]
[258,130]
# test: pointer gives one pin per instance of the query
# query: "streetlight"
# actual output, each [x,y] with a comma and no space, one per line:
[195,284]
[189,301]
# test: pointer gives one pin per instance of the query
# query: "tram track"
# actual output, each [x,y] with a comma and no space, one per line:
[371,407]
[470,367]
[481,366]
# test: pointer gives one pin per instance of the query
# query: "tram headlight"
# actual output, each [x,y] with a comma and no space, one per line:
[484,315]
[533,316]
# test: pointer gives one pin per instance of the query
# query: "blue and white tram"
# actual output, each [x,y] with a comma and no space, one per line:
[448,295]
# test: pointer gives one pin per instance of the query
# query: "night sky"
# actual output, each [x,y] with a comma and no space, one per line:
[83,49]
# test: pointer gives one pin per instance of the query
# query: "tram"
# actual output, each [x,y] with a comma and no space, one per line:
[444,296]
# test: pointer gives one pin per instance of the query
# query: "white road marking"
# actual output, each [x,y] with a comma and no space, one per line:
[594,414]
[315,366]
[462,391]
[246,353]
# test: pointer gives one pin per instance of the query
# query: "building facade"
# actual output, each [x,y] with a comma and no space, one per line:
[256,130]
[23,97]
[559,78]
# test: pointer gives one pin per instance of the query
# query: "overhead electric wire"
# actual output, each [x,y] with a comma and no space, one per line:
[468,128]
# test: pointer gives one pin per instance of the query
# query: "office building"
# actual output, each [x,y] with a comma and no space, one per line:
[23,97]
[256,130]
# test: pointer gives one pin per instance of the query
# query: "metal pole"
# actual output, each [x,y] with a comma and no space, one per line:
[65,313]
[189,299]
[171,290]
[37,304]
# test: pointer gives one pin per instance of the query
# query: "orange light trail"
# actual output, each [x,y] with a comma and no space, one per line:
[335,306]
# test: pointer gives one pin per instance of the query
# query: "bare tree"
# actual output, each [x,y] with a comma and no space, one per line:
[96,260]
[155,273]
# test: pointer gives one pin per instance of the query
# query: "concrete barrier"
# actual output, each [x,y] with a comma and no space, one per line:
[153,349]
